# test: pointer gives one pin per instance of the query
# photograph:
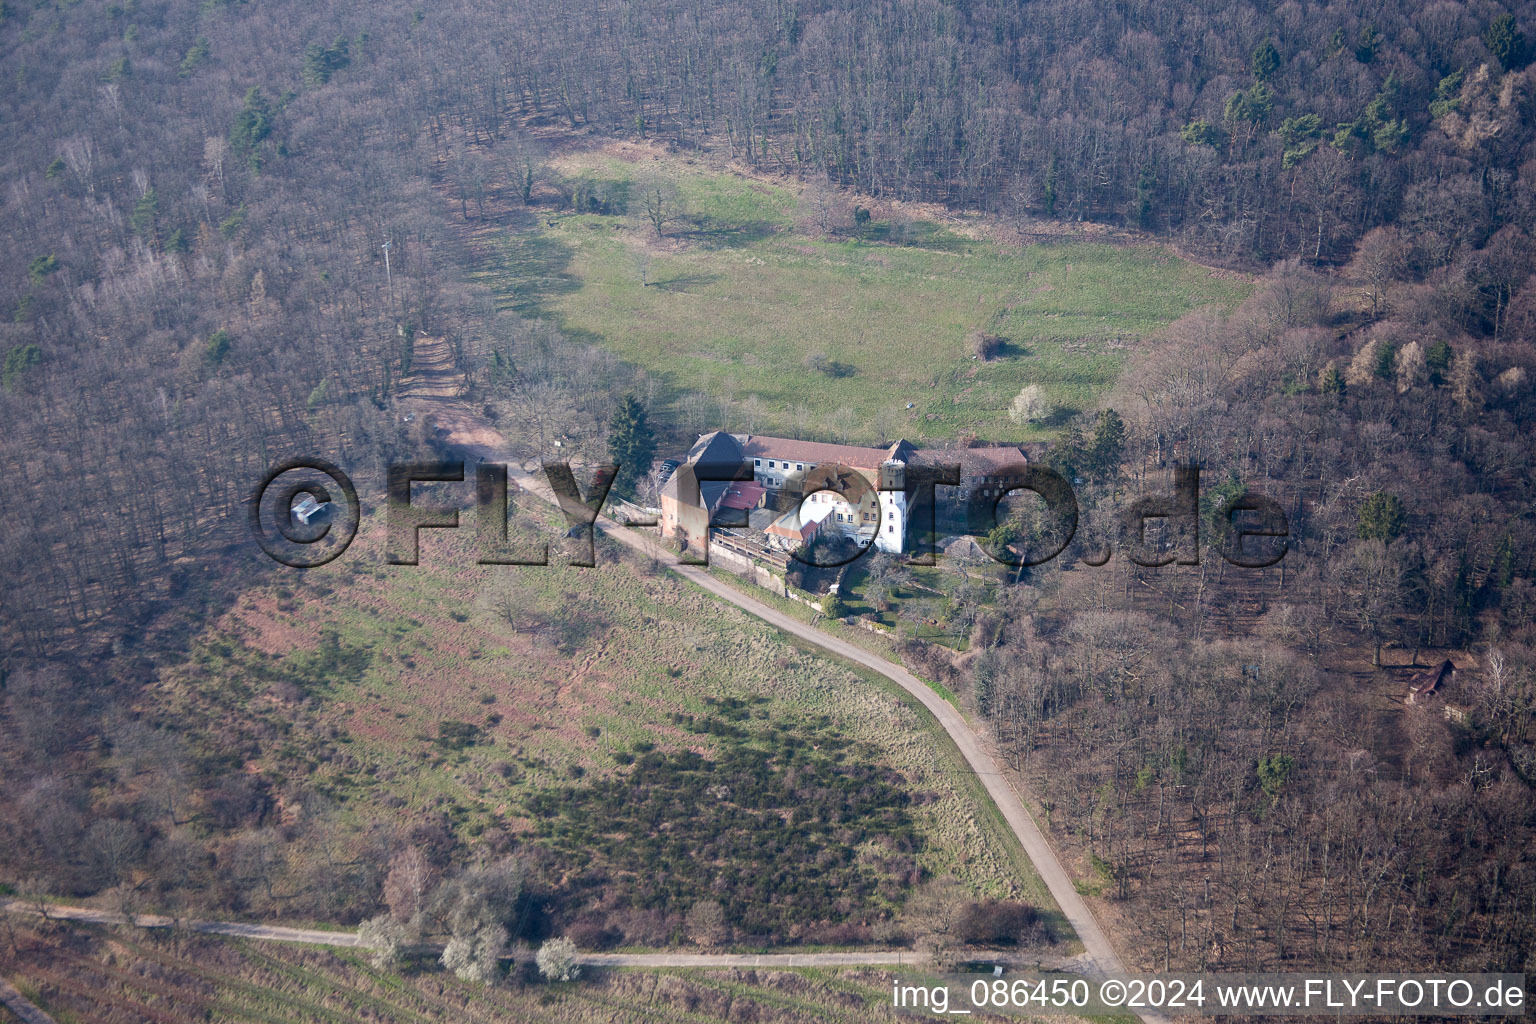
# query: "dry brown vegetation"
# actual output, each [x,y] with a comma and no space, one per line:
[1229,753]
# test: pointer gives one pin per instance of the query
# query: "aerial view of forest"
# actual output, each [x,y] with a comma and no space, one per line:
[741,510]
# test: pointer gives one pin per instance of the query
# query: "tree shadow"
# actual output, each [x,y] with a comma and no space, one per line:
[684,282]
[1061,416]
[1007,348]
[917,234]
[715,234]
[532,268]
[607,197]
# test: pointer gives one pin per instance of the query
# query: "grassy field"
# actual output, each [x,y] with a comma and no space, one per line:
[469,694]
[736,301]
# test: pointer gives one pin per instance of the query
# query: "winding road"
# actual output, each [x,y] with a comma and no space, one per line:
[435,394]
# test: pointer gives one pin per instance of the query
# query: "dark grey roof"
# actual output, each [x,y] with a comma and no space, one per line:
[716,449]
[680,485]
[716,454]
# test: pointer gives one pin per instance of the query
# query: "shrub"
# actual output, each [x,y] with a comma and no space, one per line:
[476,956]
[998,923]
[818,362]
[456,735]
[589,934]
[388,940]
[1030,405]
[986,346]
[557,960]
[706,923]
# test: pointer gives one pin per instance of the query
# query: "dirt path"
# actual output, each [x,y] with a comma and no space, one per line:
[350,940]
[462,430]
[24,1009]
[235,929]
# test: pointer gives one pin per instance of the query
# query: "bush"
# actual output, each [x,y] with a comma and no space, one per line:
[456,735]
[594,935]
[557,960]
[388,940]
[1030,405]
[998,923]
[986,346]
[706,923]
[476,956]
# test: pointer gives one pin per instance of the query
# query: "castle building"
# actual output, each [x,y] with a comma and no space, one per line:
[816,488]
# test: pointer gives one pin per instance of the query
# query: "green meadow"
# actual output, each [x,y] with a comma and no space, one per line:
[735,303]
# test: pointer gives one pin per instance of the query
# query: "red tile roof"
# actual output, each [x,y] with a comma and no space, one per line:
[757,446]
[781,528]
[744,494]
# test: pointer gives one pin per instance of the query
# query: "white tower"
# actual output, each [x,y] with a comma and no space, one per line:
[891,532]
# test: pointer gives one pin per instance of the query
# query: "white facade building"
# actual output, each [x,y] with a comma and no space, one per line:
[878,512]
[851,490]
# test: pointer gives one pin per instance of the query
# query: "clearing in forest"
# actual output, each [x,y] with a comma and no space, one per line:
[783,330]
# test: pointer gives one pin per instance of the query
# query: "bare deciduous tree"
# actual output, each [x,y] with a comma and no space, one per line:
[656,199]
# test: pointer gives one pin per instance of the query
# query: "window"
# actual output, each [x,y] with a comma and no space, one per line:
[758,463]
[890,529]
[799,465]
[770,464]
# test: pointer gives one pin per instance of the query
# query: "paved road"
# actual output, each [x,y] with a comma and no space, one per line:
[475,437]
[1100,952]
[471,434]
